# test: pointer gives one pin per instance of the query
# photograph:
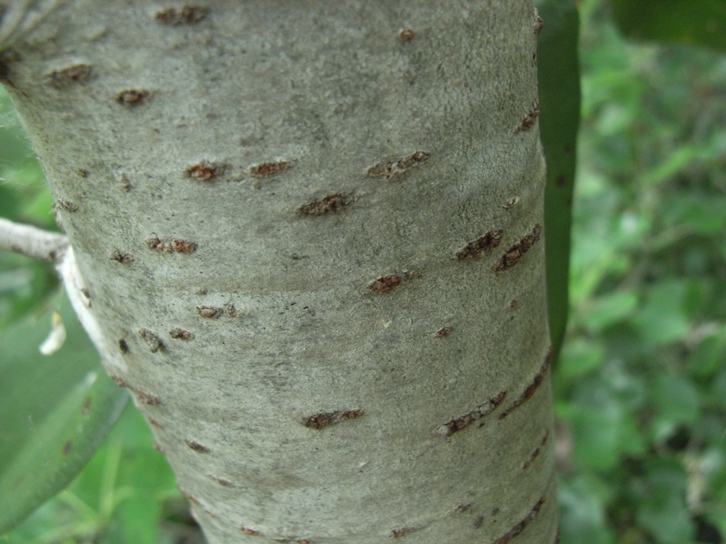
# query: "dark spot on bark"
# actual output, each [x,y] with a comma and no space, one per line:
[158,447]
[384,284]
[398,533]
[185,16]
[77,73]
[132,97]
[171,246]
[327,204]
[462,508]
[121,257]
[67,447]
[538,24]
[325,419]
[154,423]
[196,446]
[152,340]
[146,398]
[478,522]
[515,253]
[222,481]
[510,202]
[532,387]
[392,167]
[519,528]
[209,312]
[530,119]
[231,311]
[250,532]
[407,34]
[513,304]
[66,205]
[181,334]
[123,346]
[118,379]
[481,246]
[443,332]
[535,452]
[267,168]
[203,171]
[462,422]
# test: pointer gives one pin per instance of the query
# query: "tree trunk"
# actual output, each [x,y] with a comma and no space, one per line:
[306,236]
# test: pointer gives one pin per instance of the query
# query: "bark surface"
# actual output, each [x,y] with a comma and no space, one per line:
[307,239]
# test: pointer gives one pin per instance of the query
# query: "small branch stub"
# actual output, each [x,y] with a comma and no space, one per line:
[266,169]
[384,284]
[32,241]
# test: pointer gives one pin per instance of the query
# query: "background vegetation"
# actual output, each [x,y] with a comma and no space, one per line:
[640,387]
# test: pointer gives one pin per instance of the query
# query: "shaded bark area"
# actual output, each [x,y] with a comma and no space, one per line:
[269,205]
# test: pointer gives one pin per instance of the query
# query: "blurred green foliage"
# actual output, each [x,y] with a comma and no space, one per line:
[641,386]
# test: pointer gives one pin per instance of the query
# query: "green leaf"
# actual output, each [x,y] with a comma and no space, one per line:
[609,309]
[698,22]
[55,411]
[559,96]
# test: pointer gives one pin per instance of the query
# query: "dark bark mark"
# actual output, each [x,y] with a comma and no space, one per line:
[478,522]
[231,311]
[510,202]
[250,532]
[462,422]
[132,97]
[461,508]
[66,205]
[443,332]
[158,447]
[185,16]
[513,304]
[538,23]
[196,446]
[77,73]
[325,419]
[181,334]
[407,34]
[146,398]
[519,528]
[152,340]
[118,379]
[530,119]
[171,246]
[67,447]
[398,533]
[515,253]
[327,204]
[481,246]
[267,168]
[203,171]
[222,481]
[121,256]
[535,452]
[123,346]
[531,388]
[398,166]
[384,284]
[209,312]
[154,423]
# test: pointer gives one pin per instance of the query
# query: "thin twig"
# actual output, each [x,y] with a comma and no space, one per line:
[32,241]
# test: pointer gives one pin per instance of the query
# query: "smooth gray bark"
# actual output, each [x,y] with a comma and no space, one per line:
[307,238]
